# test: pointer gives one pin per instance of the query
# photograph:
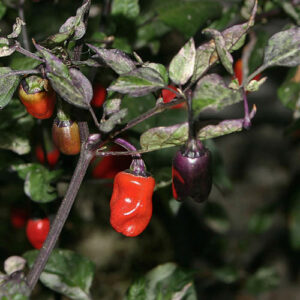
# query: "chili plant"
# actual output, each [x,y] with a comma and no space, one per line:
[111,41]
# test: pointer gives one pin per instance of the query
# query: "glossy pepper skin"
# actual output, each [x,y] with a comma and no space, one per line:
[99,95]
[37,231]
[131,203]
[191,173]
[168,96]
[37,96]
[65,135]
[238,72]
[109,166]
[52,156]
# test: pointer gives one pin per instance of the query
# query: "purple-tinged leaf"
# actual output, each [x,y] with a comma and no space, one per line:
[71,84]
[283,49]
[82,84]
[182,65]
[138,82]
[206,54]
[113,120]
[160,69]
[8,85]
[115,59]
[211,92]
[223,53]
[163,137]
[74,28]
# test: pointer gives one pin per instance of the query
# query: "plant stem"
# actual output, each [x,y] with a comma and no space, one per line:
[61,217]
[190,117]
[94,117]
[246,55]
[151,112]
[247,120]
[24,29]
[259,70]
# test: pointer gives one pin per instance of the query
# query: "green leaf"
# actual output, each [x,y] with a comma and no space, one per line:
[206,54]
[175,135]
[294,221]
[283,49]
[211,92]
[226,274]
[15,127]
[138,82]
[127,8]
[261,221]
[289,91]
[8,85]
[115,59]
[149,31]
[188,16]
[215,217]
[66,272]
[182,65]
[38,180]
[2,10]
[21,62]
[263,280]
[168,282]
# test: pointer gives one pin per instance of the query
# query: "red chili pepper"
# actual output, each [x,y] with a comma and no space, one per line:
[37,231]
[19,217]
[37,96]
[168,96]
[99,95]
[66,136]
[131,203]
[52,156]
[109,166]
[238,71]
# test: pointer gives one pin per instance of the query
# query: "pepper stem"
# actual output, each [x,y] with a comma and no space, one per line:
[137,166]
[63,113]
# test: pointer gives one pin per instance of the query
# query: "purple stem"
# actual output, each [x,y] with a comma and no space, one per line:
[247,120]
[137,165]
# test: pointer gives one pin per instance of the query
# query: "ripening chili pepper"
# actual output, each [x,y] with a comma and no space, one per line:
[191,172]
[19,217]
[131,202]
[37,96]
[238,72]
[168,96]
[99,95]
[108,166]
[52,155]
[66,136]
[37,231]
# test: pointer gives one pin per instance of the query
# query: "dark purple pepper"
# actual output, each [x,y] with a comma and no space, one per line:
[191,172]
